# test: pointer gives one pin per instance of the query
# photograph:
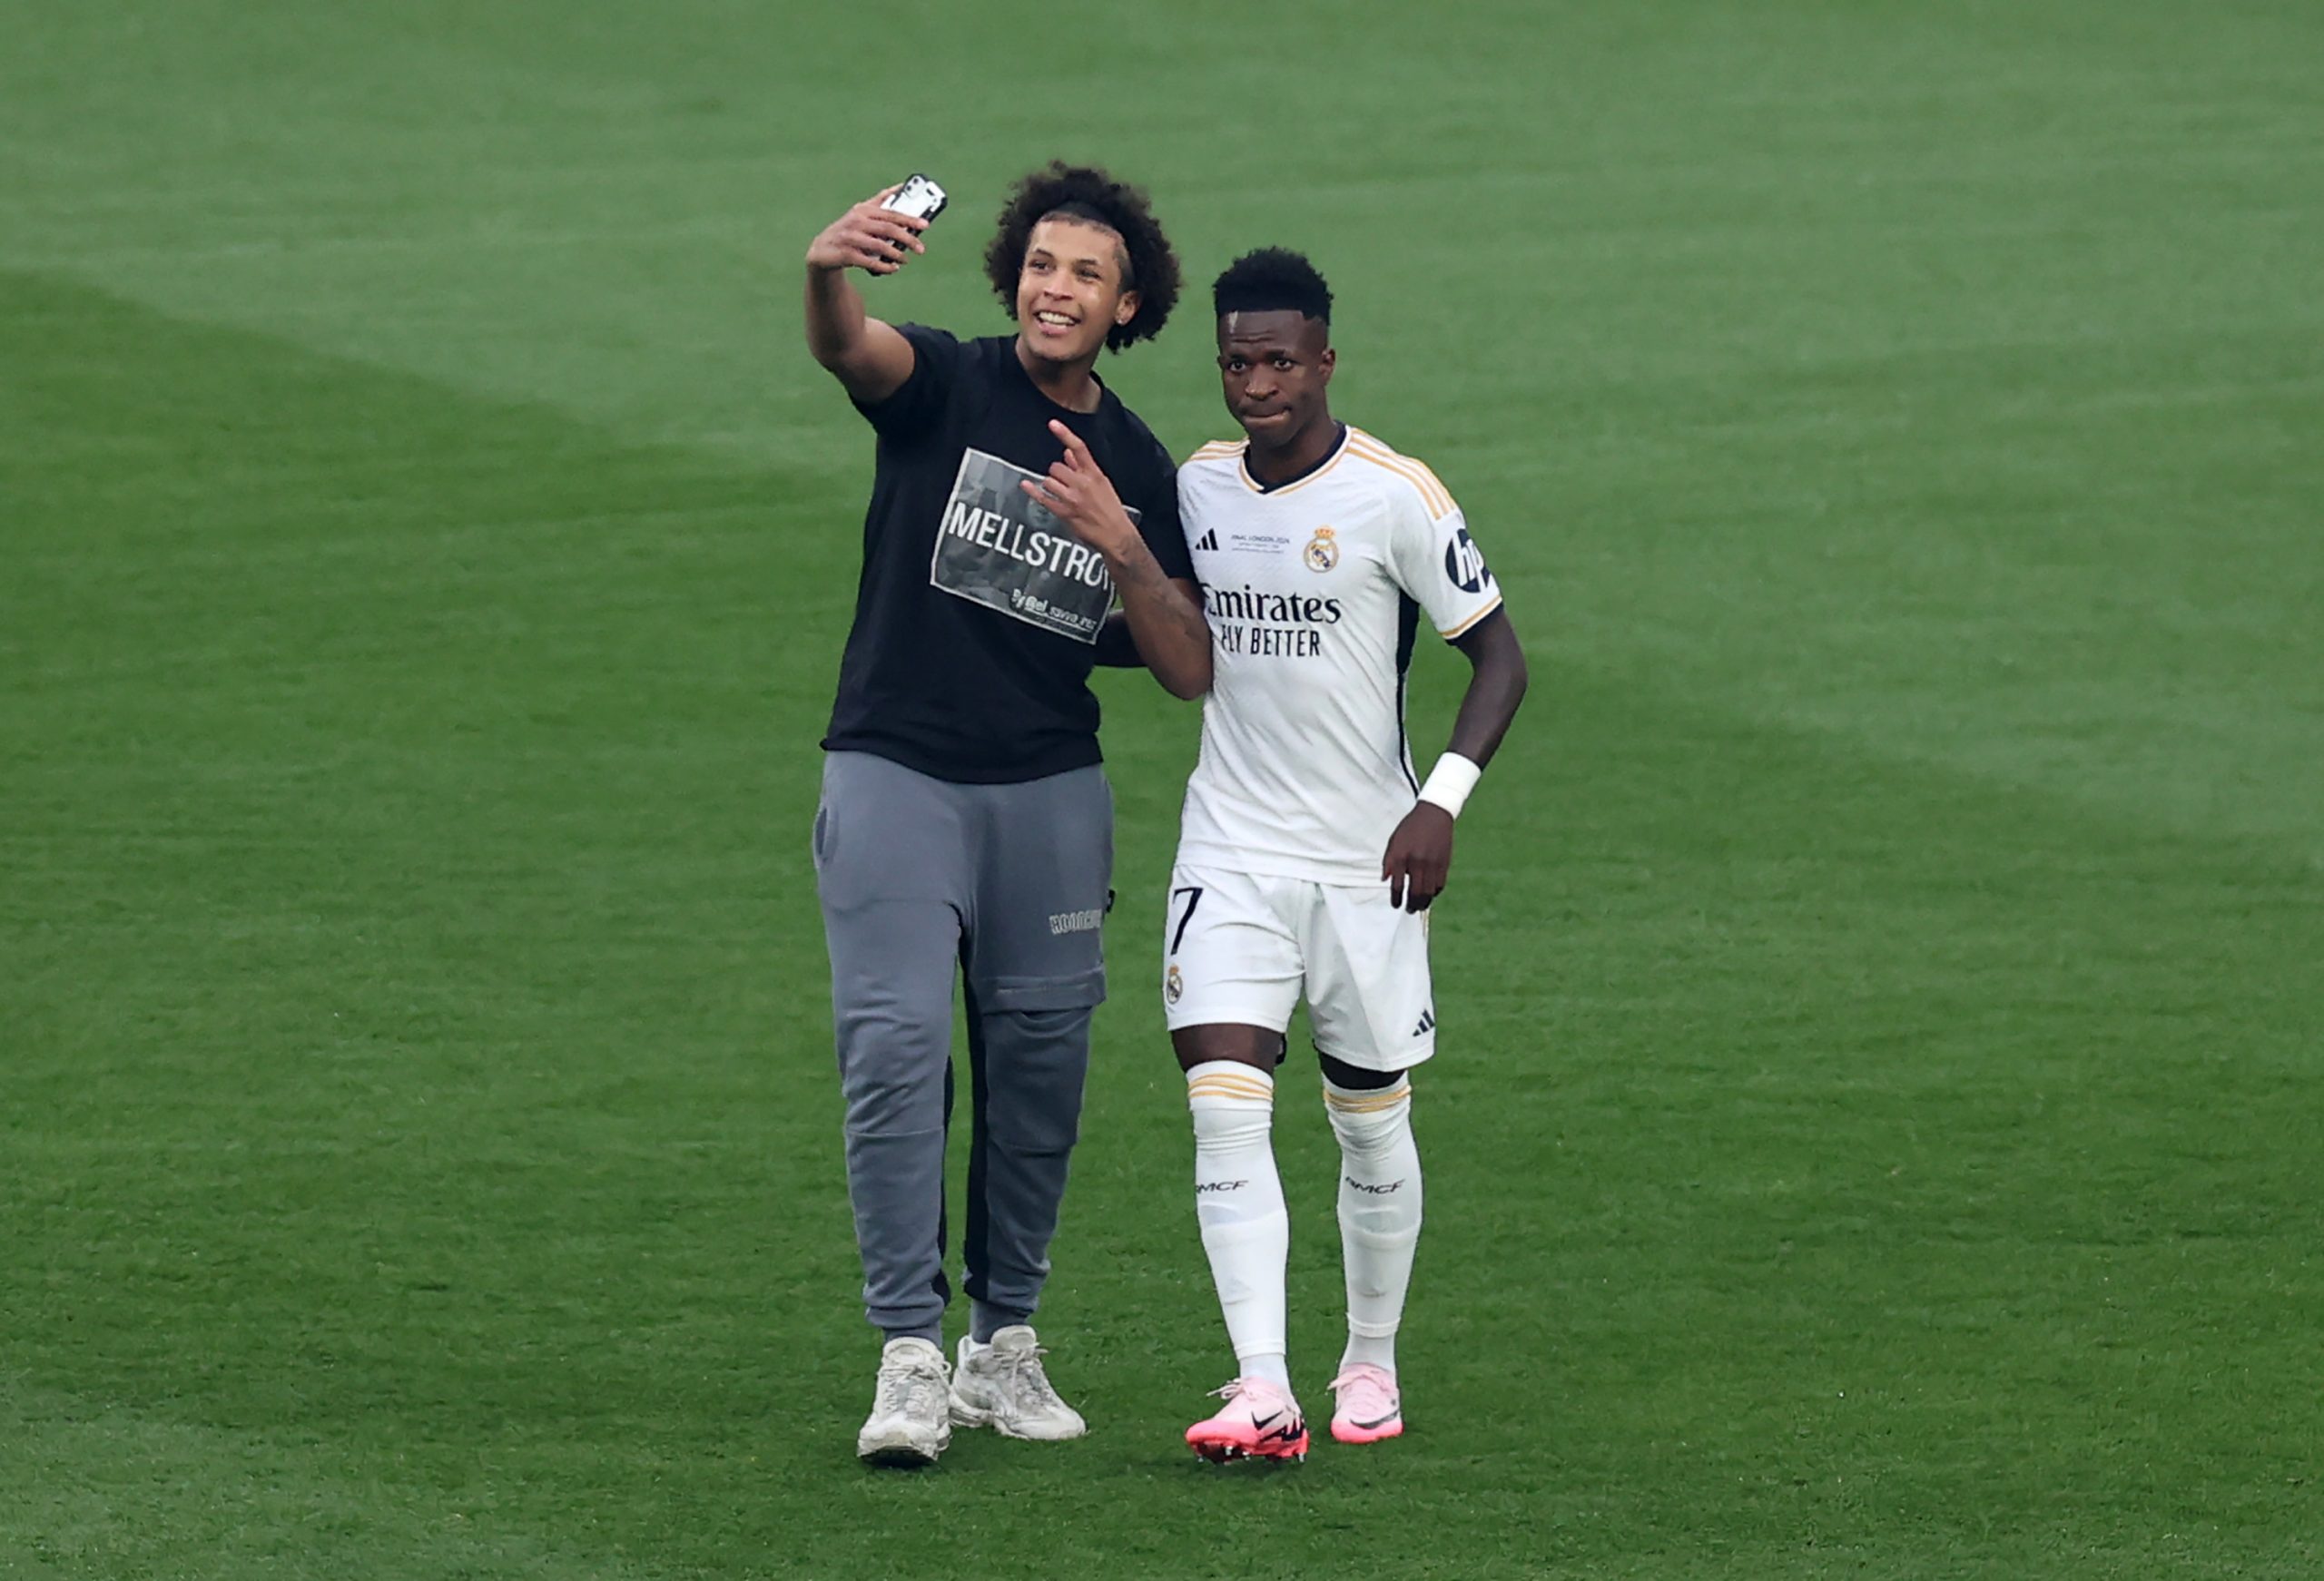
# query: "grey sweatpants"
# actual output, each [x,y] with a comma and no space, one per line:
[1005,886]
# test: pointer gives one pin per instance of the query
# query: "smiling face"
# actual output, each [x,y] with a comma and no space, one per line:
[1071,291]
[1272,367]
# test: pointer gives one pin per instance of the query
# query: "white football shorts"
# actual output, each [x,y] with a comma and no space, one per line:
[1244,948]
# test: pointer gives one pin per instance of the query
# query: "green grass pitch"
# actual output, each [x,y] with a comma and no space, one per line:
[1878,1125]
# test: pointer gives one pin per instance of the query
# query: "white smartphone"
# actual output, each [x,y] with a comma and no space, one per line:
[919,197]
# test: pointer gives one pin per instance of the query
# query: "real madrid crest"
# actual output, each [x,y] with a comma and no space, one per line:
[1322,551]
[1173,985]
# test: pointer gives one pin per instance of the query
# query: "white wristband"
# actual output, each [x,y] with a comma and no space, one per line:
[1450,783]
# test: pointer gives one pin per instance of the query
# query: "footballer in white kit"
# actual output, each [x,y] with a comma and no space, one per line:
[1309,850]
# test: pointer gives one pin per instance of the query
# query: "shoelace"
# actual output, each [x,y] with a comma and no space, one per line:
[1234,1388]
[1354,1379]
[914,1390]
[1022,1377]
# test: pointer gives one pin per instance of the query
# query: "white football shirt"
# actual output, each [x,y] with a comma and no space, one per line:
[1314,590]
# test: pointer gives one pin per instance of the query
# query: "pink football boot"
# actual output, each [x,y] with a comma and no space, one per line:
[1369,1409]
[1258,1421]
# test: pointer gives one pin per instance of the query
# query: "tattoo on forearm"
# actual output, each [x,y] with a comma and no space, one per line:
[1143,575]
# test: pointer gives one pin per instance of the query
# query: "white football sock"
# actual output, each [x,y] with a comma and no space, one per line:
[1238,1201]
[1379,1213]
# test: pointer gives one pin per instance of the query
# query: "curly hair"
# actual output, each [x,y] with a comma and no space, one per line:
[1273,278]
[1086,192]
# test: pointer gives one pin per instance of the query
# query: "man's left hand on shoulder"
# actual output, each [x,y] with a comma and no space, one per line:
[1420,856]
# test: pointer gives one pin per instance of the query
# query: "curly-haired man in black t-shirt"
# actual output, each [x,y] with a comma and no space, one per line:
[966,826]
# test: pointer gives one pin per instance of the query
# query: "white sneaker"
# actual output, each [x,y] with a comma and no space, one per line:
[907,1425]
[1002,1386]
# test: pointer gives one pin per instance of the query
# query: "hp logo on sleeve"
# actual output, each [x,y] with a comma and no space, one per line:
[1464,563]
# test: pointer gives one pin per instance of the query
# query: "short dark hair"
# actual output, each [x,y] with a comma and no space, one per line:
[1088,193]
[1272,280]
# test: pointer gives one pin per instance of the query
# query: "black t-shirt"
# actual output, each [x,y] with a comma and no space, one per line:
[977,615]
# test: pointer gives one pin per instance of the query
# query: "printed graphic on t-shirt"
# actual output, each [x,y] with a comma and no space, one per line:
[998,548]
